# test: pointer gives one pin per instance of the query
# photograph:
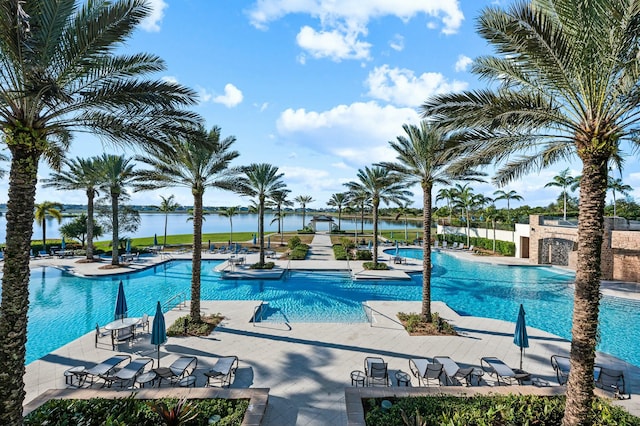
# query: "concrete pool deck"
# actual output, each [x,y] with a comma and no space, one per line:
[306,366]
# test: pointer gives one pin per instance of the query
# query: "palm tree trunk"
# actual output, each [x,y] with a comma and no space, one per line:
[15,283]
[376,203]
[166,220]
[90,195]
[44,231]
[115,240]
[261,228]
[426,252]
[593,187]
[564,209]
[197,257]
[340,219]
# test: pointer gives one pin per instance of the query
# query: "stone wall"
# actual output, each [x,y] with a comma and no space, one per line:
[626,255]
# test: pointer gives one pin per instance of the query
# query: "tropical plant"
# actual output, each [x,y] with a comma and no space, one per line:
[565,83]
[201,161]
[564,180]
[303,200]
[167,205]
[404,210]
[381,185]
[466,200]
[360,200]
[447,194]
[63,70]
[78,229]
[80,175]
[280,201]
[339,200]
[115,173]
[617,185]
[230,212]
[424,156]
[263,182]
[45,210]
[508,196]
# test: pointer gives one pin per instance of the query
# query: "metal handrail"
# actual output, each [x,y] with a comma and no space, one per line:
[181,295]
[257,309]
[368,313]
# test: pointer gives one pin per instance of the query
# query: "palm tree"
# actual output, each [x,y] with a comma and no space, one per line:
[167,205]
[404,210]
[424,156]
[466,200]
[361,200]
[198,162]
[503,195]
[115,173]
[380,185]
[230,212]
[263,182]
[280,200]
[63,70]
[80,175]
[564,180]
[44,210]
[566,84]
[447,194]
[338,200]
[303,200]
[616,185]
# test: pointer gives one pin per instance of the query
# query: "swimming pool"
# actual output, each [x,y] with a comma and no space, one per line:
[64,307]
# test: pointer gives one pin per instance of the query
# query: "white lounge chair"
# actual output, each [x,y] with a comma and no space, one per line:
[376,372]
[426,371]
[453,373]
[222,372]
[127,375]
[106,367]
[179,369]
[503,373]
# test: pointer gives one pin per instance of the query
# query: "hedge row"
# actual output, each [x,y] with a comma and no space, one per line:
[505,248]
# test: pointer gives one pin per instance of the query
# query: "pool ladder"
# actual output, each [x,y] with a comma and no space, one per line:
[257,310]
[368,312]
[180,297]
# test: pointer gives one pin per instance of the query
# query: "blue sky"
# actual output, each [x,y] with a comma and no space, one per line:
[314,87]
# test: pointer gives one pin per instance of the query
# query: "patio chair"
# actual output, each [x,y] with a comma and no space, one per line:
[179,369]
[376,372]
[222,372]
[453,373]
[611,380]
[100,333]
[122,335]
[561,366]
[503,373]
[106,367]
[144,322]
[127,375]
[425,371]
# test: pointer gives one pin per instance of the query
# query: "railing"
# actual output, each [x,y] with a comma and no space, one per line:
[368,312]
[287,269]
[180,296]
[255,313]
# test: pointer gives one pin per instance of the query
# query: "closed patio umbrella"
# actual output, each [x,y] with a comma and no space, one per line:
[254,239]
[520,337]
[128,249]
[63,244]
[121,303]
[269,242]
[158,330]
[155,239]
[397,249]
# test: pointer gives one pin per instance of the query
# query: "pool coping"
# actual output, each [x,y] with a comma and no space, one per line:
[258,397]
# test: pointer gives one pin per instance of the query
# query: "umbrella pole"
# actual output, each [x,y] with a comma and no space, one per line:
[159,358]
[521,351]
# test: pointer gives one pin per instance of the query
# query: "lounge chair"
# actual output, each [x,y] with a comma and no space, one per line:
[127,375]
[503,373]
[561,366]
[179,369]
[444,244]
[375,369]
[426,371]
[106,367]
[222,371]
[605,378]
[435,244]
[471,248]
[453,373]
[43,253]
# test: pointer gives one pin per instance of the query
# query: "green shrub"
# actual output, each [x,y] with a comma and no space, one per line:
[266,265]
[129,411]
[513,410]
[293,242]
[299,252]
[339,252]
[373,267]
[347,243]
[364,255]
[209,322]
[505,248]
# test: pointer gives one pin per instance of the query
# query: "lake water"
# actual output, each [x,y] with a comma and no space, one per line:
[153,223]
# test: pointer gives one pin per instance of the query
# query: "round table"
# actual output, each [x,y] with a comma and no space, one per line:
[402,378]
[358,377]
[78,373]
[145,378]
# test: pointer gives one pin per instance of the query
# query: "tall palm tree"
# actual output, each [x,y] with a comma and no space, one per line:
[230,212]
[361,200]
[617,185]
[263,182]
[566,84]
[381,185]
[303,200]
[466,200]
[167,205]
[280,200]
[80,175]
[564,180]
[198,162]
[44,210]
[115,173]
[404,210]
[339,200]
[504,195]
[424,157]
[447,194]
[63,70]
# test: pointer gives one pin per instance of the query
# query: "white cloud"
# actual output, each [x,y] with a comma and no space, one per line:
[401,87]
[463,63]
[310,180]
[152,22]
[232,96]
[334,44]
[357,134]
[204,94]
[342,23]
[397,43]
[170,79]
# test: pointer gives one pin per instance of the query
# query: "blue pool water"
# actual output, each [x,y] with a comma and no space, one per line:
[64,307]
